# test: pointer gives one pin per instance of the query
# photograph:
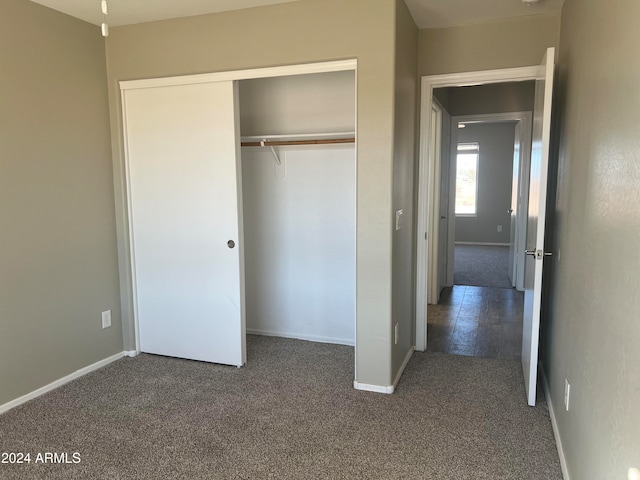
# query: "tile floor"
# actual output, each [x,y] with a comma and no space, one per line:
[477,321]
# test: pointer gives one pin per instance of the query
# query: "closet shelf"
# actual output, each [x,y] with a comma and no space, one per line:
[300,139]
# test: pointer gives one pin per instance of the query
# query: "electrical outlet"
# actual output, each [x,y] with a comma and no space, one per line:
[567,392]
[106,319]
[396,329]
[499,228]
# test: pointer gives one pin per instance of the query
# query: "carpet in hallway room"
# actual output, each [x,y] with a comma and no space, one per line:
[481,265]
[290,413]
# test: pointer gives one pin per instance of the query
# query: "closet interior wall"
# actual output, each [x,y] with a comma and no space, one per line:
[299,206]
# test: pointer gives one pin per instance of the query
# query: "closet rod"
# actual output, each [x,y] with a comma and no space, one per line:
[282,143]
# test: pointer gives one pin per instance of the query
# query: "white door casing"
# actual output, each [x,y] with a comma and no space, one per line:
[427,171]
[184,192]
[536,223]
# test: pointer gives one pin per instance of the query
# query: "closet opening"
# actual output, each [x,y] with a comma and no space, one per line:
[298,163]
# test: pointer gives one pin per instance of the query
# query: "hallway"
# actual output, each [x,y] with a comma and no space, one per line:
[477,321]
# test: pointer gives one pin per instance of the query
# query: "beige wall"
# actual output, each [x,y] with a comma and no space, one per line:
[494,182]
[406,81]
[511,42]
[298,32]
[591,331]
[298,104]
[58,245]
[490,98]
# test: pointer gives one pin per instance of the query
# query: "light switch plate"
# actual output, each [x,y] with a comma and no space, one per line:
[399,214]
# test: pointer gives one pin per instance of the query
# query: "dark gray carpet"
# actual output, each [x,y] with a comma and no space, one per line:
[290,413]
[481,266]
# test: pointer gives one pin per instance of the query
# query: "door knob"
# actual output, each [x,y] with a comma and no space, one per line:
[539,254]
[231,244]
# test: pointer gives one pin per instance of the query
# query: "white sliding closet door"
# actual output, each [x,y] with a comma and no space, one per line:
[184,193]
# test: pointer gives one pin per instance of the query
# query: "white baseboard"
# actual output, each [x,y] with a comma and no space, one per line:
[58,383]
[301,336]
[554,424]
[483,244]
[403,366]
[373,388]
[382,388]
[131,353]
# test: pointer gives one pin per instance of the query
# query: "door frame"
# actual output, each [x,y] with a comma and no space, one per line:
[428,201]
[435,159]
[127,264]
[525,120]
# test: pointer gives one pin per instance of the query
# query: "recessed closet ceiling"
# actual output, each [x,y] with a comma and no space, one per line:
[426,13]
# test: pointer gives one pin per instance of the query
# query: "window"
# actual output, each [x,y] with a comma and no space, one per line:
[467,179]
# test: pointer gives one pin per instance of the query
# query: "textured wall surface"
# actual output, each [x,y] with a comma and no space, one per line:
[406,81]
[58,244]
[591,331]
[490,98]
[506,43]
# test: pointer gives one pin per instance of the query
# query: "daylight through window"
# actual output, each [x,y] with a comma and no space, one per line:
[467,179]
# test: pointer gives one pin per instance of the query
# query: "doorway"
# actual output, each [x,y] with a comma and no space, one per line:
[429,185]
[490,160]
[299,192]
[479,311]
[428,200]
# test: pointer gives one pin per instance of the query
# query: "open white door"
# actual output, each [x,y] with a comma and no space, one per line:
[536,223]
[184,191]
[433,282]
[443,231]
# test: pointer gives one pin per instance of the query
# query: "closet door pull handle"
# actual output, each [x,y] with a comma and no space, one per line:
[231,244]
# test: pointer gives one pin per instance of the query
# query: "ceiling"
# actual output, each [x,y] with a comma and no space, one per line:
[446,13]
[426,13]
